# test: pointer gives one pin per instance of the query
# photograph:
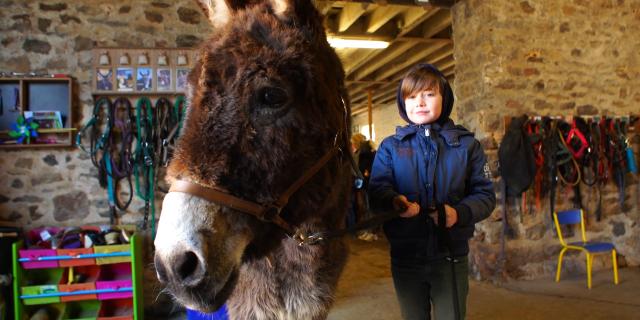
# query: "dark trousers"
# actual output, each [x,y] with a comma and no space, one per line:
[418,286]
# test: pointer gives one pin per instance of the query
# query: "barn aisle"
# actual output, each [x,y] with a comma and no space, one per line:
[365,291]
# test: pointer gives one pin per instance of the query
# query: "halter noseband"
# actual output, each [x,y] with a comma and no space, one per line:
[268,213]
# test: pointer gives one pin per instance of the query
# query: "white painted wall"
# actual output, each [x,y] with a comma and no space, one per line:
[385,121]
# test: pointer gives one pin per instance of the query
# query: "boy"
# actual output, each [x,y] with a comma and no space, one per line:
[427,163]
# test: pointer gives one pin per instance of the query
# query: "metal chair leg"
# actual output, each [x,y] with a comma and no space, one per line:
[559,269]
[589,260]
[615,266]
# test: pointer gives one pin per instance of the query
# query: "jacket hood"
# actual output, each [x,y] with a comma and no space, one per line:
[449,131]
[447,96]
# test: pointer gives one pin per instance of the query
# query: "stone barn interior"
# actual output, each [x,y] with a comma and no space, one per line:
[76,235]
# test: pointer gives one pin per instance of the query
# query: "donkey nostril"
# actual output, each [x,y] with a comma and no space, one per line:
[161,271]
[187,265]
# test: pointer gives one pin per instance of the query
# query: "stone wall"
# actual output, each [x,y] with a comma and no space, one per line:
[59,186]
[547,57]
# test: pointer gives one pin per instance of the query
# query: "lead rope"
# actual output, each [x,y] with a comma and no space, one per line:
[144,161]
[99,149]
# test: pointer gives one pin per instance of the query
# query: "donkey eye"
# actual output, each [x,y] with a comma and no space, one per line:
[272,97]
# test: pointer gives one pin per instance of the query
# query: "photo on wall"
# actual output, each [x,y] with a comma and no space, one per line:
[164,79]
[144,79]
[181,79]
[104,79]
[124,76]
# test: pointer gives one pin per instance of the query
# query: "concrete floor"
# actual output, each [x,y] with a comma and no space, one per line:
[365,291]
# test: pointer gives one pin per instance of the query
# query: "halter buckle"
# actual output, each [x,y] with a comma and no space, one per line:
[308,239]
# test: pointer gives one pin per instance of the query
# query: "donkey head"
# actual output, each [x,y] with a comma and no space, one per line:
[265,102]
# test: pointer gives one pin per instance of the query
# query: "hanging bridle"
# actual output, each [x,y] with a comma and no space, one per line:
[268,213]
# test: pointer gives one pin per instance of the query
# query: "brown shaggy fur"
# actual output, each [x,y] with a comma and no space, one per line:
[234,139]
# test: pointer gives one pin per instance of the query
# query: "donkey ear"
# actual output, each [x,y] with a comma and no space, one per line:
[301,11]
[219,11]
[280,7]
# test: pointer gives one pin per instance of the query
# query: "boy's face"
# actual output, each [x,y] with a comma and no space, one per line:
[424,106]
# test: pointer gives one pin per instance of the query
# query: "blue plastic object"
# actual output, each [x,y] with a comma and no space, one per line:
[631,161]
[220,314]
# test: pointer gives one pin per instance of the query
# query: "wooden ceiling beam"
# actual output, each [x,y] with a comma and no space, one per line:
[438,22]
[323,6]
[358,110]
[445,65]
[361,94]
[430,3]
[358,59]
[389,55]
[382,58]
[380,16]
[385,93]
[349,14]
[439,55]
[386,101]
[420,54]
[413,17]
[449,71]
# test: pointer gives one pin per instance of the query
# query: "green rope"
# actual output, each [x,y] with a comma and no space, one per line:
[180,101]
[145,158]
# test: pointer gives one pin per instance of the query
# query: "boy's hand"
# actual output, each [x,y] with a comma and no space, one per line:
[411,208]
[450,212]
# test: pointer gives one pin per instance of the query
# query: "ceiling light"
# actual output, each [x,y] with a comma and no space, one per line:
[356,43]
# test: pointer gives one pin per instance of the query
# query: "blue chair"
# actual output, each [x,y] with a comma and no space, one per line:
[576,216]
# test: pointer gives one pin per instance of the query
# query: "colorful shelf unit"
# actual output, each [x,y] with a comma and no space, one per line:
[103,282]
[47,98]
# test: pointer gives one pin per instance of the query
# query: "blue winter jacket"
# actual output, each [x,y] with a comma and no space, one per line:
[431,164]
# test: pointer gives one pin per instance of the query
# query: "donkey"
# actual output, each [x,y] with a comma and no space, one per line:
[266,134]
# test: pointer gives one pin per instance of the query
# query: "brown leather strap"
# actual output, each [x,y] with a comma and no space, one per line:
[284,198]
[271,212]
[216,196]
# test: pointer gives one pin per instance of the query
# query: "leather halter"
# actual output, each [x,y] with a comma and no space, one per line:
[575,133]
[269,212]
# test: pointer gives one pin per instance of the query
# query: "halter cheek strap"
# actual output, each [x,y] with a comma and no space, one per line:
[269,212]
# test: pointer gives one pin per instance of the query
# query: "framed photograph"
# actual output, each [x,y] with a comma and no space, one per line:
[144,79]
[124,78]
[181,79]
[164,79]
[104,79]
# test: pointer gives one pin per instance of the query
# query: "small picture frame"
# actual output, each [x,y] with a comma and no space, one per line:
[163,79]
[124,78]
[104,79]
[181,79]
[144,79]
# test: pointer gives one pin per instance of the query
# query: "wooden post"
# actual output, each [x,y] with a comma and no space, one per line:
[369,109]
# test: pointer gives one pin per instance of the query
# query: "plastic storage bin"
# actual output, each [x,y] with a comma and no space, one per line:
[120,309]
[42,287]
[83,278]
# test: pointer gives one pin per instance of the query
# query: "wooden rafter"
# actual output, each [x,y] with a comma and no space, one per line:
[323,6]
[349,14]
[382,15]
[413,17]
[382,58]
[358,59]
[373,74]
[438,22]
[422,52]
